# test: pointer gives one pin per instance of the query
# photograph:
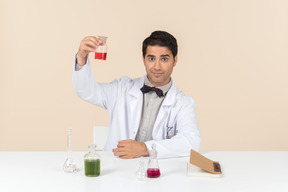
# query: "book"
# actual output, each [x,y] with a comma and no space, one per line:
[200,166]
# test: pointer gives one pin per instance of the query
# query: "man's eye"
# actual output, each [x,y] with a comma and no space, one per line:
[164,59]
[151,59]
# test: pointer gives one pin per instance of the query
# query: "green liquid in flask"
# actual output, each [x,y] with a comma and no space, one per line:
[92,167]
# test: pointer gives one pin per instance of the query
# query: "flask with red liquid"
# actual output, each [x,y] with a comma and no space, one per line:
[153,170]
[101,51]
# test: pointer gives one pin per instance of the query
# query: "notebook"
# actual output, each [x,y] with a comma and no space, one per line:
[200,166]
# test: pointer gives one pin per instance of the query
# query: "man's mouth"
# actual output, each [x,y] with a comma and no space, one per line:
[157,74]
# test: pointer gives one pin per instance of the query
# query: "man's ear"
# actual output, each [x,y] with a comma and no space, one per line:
[175,60]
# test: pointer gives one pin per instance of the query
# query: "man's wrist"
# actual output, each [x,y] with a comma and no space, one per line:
[78,67]
[145,151]
[80,59]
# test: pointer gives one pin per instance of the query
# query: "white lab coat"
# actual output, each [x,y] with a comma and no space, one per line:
[123,100]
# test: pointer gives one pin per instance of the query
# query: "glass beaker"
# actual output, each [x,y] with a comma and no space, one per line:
[101,51]
[92,162]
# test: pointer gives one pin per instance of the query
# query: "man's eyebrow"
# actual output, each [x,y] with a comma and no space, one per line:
[166,55]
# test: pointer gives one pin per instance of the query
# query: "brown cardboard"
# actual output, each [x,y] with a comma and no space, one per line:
[204,163]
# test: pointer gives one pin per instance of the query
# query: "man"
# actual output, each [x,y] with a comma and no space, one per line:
[146,110]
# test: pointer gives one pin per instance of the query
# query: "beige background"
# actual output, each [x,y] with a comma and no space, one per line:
[232,60]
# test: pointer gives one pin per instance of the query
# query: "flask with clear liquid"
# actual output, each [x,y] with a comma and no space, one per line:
[153,170]
[140,173]
[69,165]
[92,162]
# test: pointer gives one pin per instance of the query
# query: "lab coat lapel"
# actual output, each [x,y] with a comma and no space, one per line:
[165,108]
[136,103]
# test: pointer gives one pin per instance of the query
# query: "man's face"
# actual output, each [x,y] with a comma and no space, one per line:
[159,63]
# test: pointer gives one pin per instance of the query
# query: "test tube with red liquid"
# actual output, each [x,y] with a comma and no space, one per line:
[101,51]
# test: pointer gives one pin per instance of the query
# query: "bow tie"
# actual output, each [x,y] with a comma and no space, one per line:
[146,89]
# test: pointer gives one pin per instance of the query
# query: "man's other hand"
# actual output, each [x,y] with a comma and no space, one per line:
[128,149]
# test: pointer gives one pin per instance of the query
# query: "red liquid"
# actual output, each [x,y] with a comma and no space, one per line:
[100,56]
[153,172]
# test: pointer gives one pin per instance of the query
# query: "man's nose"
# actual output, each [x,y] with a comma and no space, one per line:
[157,64]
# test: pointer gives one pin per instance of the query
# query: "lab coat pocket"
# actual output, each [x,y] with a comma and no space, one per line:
[171,131]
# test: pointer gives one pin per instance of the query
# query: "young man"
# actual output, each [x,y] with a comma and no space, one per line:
[146,110]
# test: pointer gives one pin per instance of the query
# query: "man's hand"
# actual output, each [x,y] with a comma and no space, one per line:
[87,45]
[127,149]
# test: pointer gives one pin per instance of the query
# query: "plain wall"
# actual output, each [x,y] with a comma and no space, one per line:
[233,60]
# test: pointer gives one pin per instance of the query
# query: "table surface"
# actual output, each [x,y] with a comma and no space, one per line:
[242,171]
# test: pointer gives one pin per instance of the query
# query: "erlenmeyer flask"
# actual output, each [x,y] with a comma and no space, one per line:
[153,170]
[140,173]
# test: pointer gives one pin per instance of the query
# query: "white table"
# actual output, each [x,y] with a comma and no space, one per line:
[242,171]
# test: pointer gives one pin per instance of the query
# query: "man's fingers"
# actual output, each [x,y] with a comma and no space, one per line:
[90,43]
[122,153]
[119,153]
[94,39]
[119,150]
[126,141]
[88,46]
[121,145]
[124,157]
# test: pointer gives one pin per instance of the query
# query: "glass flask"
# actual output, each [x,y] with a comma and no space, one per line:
[92,162]
[101,51]
[153,170]
[140,173]
[69,165]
